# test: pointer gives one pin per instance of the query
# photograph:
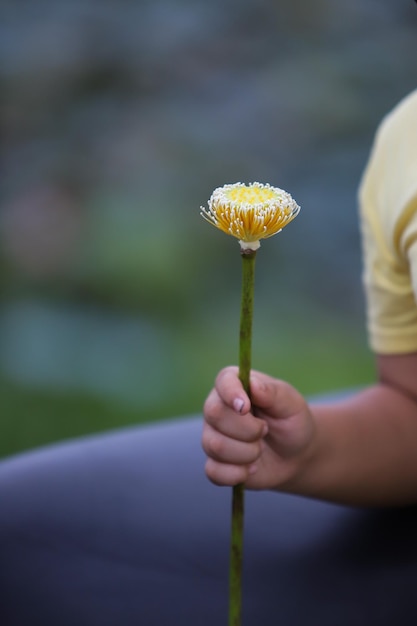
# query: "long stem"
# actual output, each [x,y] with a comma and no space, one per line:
[245,357]
[246,317]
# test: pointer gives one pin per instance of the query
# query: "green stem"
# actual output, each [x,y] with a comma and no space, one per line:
[245,356]
[246,317]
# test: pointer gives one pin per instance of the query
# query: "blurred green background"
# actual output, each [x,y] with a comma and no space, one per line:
[118,119]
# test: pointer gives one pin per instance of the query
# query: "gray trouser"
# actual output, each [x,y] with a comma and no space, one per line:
[124,529]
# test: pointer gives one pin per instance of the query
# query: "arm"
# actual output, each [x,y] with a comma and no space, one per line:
[365,448]
[361,450]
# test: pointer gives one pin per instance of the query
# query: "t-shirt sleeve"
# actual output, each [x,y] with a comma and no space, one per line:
[388,212]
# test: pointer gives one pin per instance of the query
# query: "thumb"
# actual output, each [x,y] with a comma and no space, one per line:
[276,398]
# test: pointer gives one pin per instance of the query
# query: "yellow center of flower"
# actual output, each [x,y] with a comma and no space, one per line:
[250,195]
[250,212]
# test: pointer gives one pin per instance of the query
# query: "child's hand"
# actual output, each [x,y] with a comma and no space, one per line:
[264,444]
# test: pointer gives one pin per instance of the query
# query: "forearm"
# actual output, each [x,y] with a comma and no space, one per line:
[364,451]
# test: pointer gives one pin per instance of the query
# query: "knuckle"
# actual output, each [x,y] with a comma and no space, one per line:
[225,374]
[211,405]
[213,410]
[225,371]
[213,473]
[215,446]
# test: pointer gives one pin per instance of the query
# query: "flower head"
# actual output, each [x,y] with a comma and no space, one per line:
[250,212]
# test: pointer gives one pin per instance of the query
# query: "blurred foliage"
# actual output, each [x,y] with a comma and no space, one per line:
[118,119]
[313,360]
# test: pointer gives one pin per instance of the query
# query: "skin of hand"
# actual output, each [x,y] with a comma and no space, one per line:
[360,450]
[264,450]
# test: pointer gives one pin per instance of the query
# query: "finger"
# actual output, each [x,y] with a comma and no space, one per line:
[244,427]
[275,397]
[228,475]
[227,450]
[230,389]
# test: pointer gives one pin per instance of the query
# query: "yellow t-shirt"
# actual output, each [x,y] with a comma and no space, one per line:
[388,211]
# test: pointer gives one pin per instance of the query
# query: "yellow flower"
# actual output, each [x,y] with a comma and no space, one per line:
[250,212]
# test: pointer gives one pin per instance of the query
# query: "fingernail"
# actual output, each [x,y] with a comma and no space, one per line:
[238,404]
[253,469]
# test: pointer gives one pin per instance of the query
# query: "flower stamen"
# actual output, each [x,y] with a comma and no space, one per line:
[250,212]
